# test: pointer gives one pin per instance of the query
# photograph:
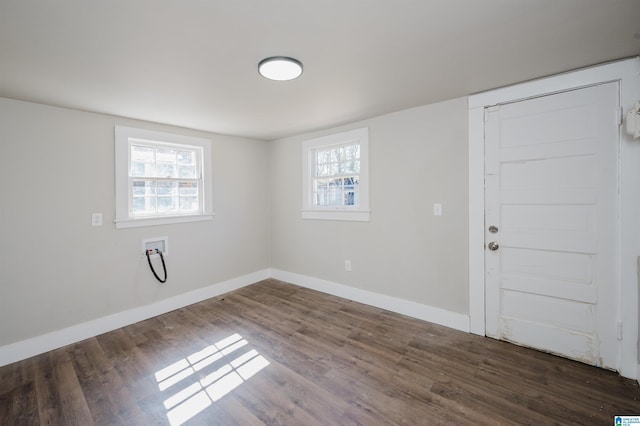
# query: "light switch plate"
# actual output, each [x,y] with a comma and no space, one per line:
[437,209]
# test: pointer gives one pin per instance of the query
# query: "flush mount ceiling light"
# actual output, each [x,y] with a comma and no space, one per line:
[280,68]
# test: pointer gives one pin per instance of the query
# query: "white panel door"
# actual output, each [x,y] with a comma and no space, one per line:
[551,195]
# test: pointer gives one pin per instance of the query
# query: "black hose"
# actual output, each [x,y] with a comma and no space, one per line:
[164,267]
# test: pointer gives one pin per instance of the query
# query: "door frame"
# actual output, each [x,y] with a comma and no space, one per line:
[627,74]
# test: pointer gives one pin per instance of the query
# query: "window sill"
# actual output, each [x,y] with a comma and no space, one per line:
[152,221]
[350,215]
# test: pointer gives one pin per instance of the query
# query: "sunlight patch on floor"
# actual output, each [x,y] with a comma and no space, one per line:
[188,402]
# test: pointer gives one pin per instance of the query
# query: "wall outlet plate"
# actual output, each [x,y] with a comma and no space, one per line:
[96,219]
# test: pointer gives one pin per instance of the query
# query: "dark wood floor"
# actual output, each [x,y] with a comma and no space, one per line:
[275,353]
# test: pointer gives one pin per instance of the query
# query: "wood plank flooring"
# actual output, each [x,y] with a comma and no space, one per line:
[275,353]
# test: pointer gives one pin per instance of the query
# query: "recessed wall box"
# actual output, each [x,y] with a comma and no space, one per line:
[157,243]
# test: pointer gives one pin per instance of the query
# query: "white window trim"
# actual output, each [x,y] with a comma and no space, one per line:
[352,213]
[122,136]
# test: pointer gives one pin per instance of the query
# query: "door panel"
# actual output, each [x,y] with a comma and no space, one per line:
[556,274]
[551,190]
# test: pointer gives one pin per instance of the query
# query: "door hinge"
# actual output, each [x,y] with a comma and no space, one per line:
[619,330]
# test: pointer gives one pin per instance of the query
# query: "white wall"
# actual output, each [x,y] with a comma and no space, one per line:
[418,157]
[56,270]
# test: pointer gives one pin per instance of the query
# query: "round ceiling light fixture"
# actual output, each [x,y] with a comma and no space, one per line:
[280,68]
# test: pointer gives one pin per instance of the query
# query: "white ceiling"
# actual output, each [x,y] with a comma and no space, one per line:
[193,63]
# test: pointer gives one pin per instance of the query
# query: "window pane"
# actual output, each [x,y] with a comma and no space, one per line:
[188,204]
[320,188]
[323,157]
[165,155]
[335,155]
[352,167]
[143,187]
[166,170]
[162,197]
[187,172]
[138,169]
[338,161]
[349,198]
[189,198]
[185,157]
[188,188]
[336,192]
[322,170]
[351,192]
[142,153]
[166,203]
[352,152]
[327,192]
[142,161]
[144,205]
[166,162]
[167,188]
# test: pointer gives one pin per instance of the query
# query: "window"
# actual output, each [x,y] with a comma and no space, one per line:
[336,176]
[161,178]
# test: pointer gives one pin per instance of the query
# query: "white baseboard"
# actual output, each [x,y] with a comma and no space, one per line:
[405,307]
[57,339]
[36,345]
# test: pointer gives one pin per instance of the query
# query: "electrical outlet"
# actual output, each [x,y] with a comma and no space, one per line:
[347,265]
[96,219]
[437,209]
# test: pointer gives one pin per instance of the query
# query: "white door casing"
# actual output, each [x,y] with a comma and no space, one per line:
[627,73]
[551,196]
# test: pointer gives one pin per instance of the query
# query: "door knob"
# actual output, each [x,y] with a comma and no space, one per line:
[493,229]
[493,246]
